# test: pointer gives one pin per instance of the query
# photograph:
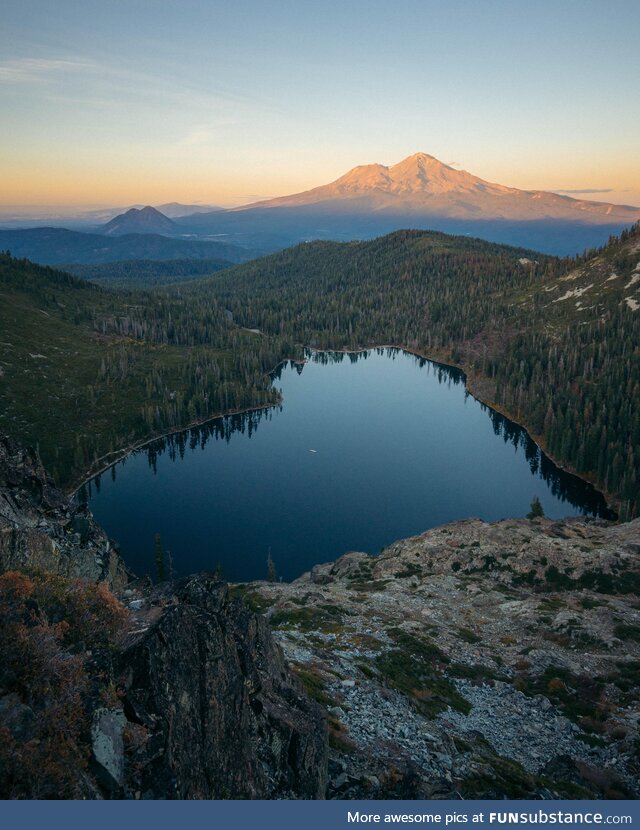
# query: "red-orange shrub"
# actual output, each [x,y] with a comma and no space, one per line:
[46,624]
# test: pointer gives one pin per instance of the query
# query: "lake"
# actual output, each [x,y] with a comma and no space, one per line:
[366,448]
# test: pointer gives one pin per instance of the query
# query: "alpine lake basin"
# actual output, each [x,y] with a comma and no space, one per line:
[366,448]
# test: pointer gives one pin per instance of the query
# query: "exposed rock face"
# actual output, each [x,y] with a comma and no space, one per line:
[482,660]
[476,660]
[41,529]
[219,713]
[205,705]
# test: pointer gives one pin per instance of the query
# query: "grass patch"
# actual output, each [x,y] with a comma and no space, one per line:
[557,579]
[461,745]
[253,600]
[565,789]
[325,618]
[629,631]
[529,578]
[627,679]
[592,740]
[368,587]
[339,736]
[476,672]
[409,570]
[624,582]
[551,605]
[365,641]
[501,777]
[588,603]
[579,698]
[366,669]
[313,683]
[415,668]
[468,635]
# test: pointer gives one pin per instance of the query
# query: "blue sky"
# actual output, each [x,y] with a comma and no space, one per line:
[125,101]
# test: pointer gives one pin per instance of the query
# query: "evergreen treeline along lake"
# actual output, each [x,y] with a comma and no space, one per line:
[365,449]
[555,343]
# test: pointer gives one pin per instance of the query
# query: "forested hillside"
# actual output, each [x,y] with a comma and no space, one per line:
[85,372]
[418,289]
[146,273]
[58,246]
[556,343]
[572,372]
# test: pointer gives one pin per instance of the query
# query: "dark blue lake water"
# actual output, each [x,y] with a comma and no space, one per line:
[367,448]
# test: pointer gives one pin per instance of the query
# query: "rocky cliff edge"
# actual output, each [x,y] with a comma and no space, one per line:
[173,691]
[477,660]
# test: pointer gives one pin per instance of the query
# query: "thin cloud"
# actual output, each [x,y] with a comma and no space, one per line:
[196,137]
[38,69]
[588,190]
[254,197]
[123,82]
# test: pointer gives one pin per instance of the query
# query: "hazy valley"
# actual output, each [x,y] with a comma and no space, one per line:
[370,200]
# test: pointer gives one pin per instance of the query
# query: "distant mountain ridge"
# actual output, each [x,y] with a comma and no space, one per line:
[418,193]
[146,220]
[35,216]
[174,210]
[58,246]
[371,200]
[423,184]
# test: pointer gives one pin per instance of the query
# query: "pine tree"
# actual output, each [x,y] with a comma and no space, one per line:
[159,558]
[537,510]
[271,568]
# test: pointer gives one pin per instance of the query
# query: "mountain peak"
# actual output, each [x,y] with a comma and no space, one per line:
[143,220]
[424,173]
[424,186]
[423,160]
[417,177]
[363,177]
[146,211]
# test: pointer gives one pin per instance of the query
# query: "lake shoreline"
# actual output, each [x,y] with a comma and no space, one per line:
[469,377]
[119,455]
[472,385]
[402,447]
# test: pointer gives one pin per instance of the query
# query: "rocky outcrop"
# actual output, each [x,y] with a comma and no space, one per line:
[193,699]
[478,660]
[41,529]
[212,709]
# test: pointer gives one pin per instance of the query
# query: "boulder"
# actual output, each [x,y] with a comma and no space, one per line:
[107,746]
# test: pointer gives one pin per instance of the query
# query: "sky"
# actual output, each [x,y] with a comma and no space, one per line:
[119,102]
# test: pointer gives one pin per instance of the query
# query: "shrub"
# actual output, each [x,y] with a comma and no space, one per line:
[557,579]
[468,635]
[627,632]
[414,667]
[46,624]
